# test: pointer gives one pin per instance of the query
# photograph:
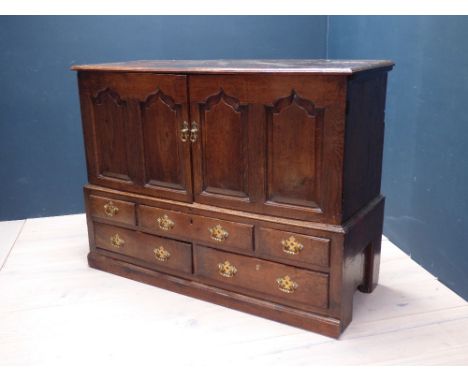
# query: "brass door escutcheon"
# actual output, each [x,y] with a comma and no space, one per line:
[291,246]
[194,132]
[117,241]
[184,132]
[285,284]
[161,254]
[110,209]
[226,269]
[218,233]
[165,223]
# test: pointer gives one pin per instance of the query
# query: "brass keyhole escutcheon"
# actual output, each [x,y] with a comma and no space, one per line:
[226,269]
[110,209]
[218,233]
[161,254]
[291,246]
[165,223]
[117,241]
[286,285]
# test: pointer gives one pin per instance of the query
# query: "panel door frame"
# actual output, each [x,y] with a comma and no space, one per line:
[182,192]
[326,94]
[135,90]
[204,95]
[324,97]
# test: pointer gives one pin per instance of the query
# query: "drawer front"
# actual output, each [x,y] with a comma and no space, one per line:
[154,250]
[112,209]
[291,247]
[218,232]
[223,233]
[164,222]
[285,284]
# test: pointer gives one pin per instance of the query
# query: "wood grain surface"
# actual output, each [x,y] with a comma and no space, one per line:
[242,66]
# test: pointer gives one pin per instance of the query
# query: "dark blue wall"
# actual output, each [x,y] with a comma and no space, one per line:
[42,166]
[425,175]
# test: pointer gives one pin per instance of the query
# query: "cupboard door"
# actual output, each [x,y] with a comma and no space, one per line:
[133,126]
[166,147]
[271,144]
[224,149]
[303,143]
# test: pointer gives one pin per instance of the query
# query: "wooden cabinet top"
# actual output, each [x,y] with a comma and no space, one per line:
[342,67]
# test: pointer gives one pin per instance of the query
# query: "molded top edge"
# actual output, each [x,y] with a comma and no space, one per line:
[345,67]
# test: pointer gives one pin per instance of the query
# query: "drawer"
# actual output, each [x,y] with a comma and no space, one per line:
[164,222]
[112,209]
[283,283]
[156,251]
[222,233]
[218,232]
[294,248]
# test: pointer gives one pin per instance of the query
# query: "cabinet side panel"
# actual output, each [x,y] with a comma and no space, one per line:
[364,137]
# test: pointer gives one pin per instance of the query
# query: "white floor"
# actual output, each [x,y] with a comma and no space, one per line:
[55,309]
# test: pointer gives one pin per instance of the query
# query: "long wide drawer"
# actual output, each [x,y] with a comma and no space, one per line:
[153,250]
[287,285]
[215,232]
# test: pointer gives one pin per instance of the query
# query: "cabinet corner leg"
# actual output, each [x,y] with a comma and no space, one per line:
[371,265]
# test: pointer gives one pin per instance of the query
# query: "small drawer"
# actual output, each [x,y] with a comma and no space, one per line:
[164,222]
[286,284]
[293,248]
[222,233]
[154,250]
[112,209]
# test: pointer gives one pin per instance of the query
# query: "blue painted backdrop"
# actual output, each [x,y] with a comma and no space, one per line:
[425,176]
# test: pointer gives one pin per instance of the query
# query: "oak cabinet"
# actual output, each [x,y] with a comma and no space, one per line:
[273,165]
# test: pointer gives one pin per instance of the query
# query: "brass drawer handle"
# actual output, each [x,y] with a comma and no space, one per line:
[291,246]
[194,132]
[184,132]
[117,241]
[161,254]
[286,285]
[165,223]
[110,209]
[218,233]
[226,269]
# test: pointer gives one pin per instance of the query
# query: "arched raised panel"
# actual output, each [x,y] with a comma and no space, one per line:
[224,146]
[110,126]
[294,133]
[161,119]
